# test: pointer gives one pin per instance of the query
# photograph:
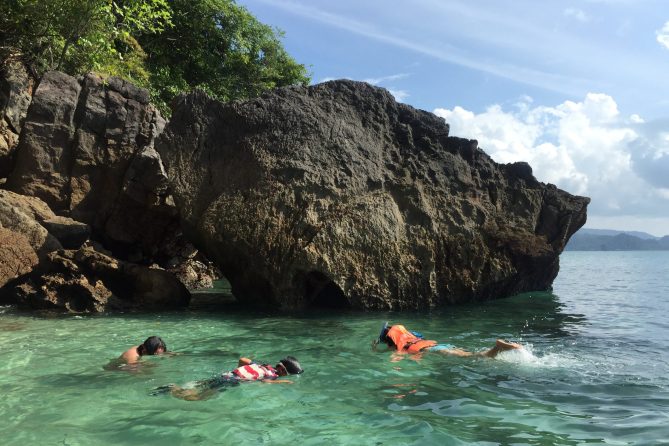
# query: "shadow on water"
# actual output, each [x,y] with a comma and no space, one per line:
[539,313]
[88,380]
[535,314]
[12,326]
[139,368]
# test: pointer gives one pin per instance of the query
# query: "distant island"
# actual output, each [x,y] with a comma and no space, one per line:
[612,240]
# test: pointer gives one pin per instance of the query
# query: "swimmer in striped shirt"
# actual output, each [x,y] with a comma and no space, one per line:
[246,370]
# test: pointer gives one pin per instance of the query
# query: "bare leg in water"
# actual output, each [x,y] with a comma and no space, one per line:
[500,346]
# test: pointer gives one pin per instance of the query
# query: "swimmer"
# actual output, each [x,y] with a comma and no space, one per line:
[403,340]
[152,346]
[246,371]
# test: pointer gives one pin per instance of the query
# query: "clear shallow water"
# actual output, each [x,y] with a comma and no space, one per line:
[596,372]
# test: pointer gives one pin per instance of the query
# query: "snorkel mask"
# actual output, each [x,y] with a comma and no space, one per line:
[382,335]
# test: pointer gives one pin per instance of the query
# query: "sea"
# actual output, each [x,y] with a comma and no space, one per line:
[594,370]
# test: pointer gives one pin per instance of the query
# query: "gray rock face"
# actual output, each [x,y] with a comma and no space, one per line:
[86,149]
[335,195]
[16,88]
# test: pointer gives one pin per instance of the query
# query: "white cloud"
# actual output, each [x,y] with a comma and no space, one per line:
[578,14]
[379,80]
[586,148]
[399,95]
[636,119]
[663,35]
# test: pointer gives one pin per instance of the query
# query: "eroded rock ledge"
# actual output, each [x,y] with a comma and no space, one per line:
[336,195]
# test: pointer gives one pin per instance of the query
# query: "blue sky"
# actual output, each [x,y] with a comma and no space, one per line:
[579,89]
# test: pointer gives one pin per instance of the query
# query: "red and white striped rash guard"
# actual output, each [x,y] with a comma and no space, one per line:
[254,372]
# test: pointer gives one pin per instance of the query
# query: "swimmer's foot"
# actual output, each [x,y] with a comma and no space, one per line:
[500,346]
[503,345]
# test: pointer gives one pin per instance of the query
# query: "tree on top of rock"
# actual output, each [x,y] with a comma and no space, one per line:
[219,47]
[168,46]
[77,36]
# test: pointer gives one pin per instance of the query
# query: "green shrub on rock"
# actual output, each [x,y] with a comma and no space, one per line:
[167,46]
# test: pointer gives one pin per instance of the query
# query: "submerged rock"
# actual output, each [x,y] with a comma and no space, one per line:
[336,195]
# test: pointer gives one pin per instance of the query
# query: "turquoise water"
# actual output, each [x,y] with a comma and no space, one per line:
[596,372]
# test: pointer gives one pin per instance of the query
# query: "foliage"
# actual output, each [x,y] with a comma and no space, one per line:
[169,46]
[77,36]
[219,47]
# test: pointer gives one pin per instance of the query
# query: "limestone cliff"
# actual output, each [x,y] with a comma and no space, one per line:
[86,149]
[81,167]
[336,195]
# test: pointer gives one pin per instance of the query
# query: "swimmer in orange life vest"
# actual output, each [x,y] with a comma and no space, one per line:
[246,370]
[403,340]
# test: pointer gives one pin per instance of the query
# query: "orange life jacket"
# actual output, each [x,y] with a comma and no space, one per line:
[405,340]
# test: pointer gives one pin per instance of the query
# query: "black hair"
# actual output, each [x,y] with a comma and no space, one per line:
[151,345]
[292,365]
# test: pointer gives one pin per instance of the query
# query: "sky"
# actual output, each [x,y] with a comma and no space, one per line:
[578,89]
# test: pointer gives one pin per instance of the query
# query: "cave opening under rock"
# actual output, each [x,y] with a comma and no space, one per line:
[321,292]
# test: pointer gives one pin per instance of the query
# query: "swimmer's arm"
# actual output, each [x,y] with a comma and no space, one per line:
[171,354]
[277,381]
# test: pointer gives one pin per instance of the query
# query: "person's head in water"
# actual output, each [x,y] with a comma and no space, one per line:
[152,346]
[289,366]
[383,336]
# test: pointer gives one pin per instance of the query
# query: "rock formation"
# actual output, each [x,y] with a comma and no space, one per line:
[37,273]
[26,215]
[89,281]
[86,149]
[336,195]
[17,257]
[84,167]
[333,195]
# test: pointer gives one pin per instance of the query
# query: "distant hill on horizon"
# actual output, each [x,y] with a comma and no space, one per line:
[612,240]
[613,232]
